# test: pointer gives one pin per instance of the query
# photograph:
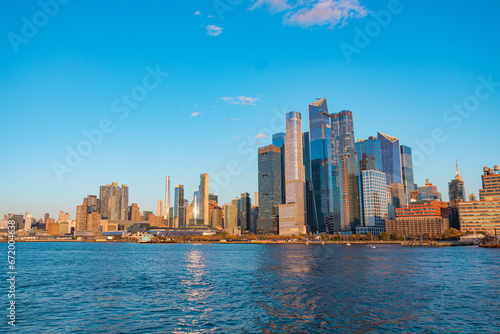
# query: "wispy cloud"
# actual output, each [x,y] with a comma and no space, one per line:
[307,13]
[197,12]
[213,30]
[195,113]
[210,15]
[261,135]
[256,144]
[243,100]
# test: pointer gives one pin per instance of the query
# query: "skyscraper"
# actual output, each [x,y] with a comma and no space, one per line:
[246,212]
[320,138]
[270,188]
[205,209]
[369,154]
[306,157]
[93,203]
[135,213]
[407,171]
[391,158]
[179,211]
[114,201]
[345,173]
[279,139]
[428,192]
[166,210]
[292,214]
[159,208]
[456,189]
[375,206]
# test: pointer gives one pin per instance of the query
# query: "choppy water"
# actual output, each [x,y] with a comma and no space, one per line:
[224,288]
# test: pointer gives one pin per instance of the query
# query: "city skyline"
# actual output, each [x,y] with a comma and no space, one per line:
[228,87]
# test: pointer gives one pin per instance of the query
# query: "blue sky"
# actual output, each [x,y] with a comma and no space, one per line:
[231,78]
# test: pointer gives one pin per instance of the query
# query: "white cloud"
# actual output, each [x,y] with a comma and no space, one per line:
[243,100]
[307,13]
[274,6]
[197,12]
[210,15]
[234,119]
[195,113]
[213,30]
[261,135]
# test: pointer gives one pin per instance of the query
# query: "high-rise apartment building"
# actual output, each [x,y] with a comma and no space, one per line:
[159,208]
[270,188]
[93,203]
[179,211]
[246,212]
[320,141]
[292,213]
[205,209]
[114,201]
[491,184]
[135,213]
[375,206]
[166,210]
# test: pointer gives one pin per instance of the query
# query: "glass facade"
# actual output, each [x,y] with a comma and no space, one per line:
[307,164]
[270,188]
[345,172]
[320,136]
[179,211]
[391,158]
[279,139]
[369,154]
[375,208]
[407,171]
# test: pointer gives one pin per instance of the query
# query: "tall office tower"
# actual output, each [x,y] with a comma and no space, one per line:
[213,199]
[195,206]
[246,212]
[279,139]
[428,192]
[230,218]
[46,218]
[253,218]
[166,210]
[205,198]
[407,172]
[345,173]
[391,158]
[375,206]
[114,201]
[306,157]
[179,212]
[159,208]
[135,213]
[369,154]
[320,141]
[61,216]
[256,198]
[81,217]
[456,189]
[491,184]
[292,214]
[93,203]
[270,188]
[237,206]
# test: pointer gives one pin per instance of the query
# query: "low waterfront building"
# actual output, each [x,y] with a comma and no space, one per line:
[479,216]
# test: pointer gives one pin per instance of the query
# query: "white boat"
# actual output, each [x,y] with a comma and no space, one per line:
[348,243]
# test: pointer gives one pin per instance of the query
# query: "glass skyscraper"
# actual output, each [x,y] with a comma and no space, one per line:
[270,188]
[369,154]
[307,164]
[391,158]
[179,210]
[320,137]
[279,139]
[407,171]
[375,206]
[345,172]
